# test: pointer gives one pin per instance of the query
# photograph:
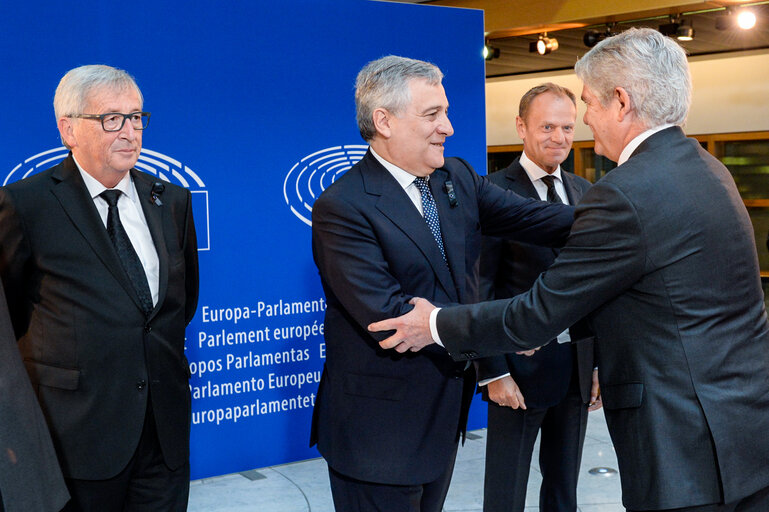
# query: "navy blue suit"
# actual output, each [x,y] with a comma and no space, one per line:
[374,252]
[555,381]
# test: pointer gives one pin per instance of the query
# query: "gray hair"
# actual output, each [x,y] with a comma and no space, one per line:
[76,86]
[652,68]
[384,83]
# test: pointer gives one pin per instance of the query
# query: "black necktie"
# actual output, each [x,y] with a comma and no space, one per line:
[125,250]
[552,195]
[430,212]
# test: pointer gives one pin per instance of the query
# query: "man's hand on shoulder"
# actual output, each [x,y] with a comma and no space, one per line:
[412,330]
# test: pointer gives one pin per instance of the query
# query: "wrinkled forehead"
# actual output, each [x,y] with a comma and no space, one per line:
[113,94]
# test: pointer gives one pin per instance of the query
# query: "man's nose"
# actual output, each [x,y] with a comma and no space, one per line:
[445,127]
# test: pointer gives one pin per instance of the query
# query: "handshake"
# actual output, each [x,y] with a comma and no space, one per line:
[414,330]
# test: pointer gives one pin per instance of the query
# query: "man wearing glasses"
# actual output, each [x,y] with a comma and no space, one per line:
[99,265]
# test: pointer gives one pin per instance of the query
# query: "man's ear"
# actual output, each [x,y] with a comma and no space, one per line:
[382,118]
[623,100]
[520,127]
[66,131]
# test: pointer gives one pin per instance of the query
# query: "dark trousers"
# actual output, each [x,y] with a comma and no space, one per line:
[145,485]
[757,502]
[509,445]
[351,495]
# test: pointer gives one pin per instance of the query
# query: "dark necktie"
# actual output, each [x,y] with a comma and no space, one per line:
[125,250]
[552,195]
[430,212]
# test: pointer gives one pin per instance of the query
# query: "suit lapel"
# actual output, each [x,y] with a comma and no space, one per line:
[519,182]
[395,204]
[154,214]
[452,229]
[73,196]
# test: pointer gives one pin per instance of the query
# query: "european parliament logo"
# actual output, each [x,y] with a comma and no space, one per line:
[311,175]
[151,162]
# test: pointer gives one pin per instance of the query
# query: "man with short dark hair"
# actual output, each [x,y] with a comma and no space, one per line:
[548,393]
[403,222]
[662,257]
[99,263]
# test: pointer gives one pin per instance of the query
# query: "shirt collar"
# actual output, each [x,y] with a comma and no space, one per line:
[534,171]
[403,178]
[95,187]
[633,144]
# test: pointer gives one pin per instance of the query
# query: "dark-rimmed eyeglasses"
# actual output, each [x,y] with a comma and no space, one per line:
[114,121]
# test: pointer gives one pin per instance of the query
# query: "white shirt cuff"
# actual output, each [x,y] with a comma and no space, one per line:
[489,381]
[434,326]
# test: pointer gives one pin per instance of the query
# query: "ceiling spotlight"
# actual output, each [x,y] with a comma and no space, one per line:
[489,52]
[671,28]
[746,20]
[593,37]
[544,45]
[725,21]
[685,32]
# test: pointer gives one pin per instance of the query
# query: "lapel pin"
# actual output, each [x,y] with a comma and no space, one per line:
[157,190]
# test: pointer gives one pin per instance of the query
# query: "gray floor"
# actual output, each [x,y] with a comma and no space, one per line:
[303,486]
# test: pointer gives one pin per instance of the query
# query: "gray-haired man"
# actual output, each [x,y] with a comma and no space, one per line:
[663,254]
[99,263]
[403,222]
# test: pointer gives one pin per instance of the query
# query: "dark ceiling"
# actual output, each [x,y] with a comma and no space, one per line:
[516,59]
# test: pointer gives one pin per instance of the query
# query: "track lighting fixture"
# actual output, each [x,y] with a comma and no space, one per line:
[544,45]
[490,52]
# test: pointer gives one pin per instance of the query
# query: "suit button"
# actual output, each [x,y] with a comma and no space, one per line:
[141,384]
[148,329]
[470,354]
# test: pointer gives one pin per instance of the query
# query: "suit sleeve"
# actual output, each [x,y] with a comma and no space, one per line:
[491,257]
[605,255]
[15,255]
[192,279]
[505,214]
[352,264]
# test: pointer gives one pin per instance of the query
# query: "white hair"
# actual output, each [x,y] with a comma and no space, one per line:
[652,68]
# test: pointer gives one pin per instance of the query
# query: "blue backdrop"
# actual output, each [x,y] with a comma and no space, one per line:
[252,109]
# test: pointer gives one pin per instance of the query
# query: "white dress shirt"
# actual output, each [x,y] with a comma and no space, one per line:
[134,222]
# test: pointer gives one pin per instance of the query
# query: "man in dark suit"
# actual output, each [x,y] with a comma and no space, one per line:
[550,390]
[30,478]
[403,222]
[99,263]
[663,254]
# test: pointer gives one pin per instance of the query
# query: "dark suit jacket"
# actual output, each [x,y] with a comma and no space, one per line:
[509,267]
[663,252]
[91,354]
[382,416]
[30,478]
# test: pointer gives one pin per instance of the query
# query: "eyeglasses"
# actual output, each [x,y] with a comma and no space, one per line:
[114,121]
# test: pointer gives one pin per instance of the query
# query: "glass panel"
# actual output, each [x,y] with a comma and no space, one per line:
[498,161]
[596,166]
[760,219]
[748,161]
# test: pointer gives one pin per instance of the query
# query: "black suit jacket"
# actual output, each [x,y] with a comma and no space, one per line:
[30,478]
[91,354]
[509,267]
[374,252]
[663,253]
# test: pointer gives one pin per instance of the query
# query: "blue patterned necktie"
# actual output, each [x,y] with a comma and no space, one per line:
[125,251]
[431,213]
